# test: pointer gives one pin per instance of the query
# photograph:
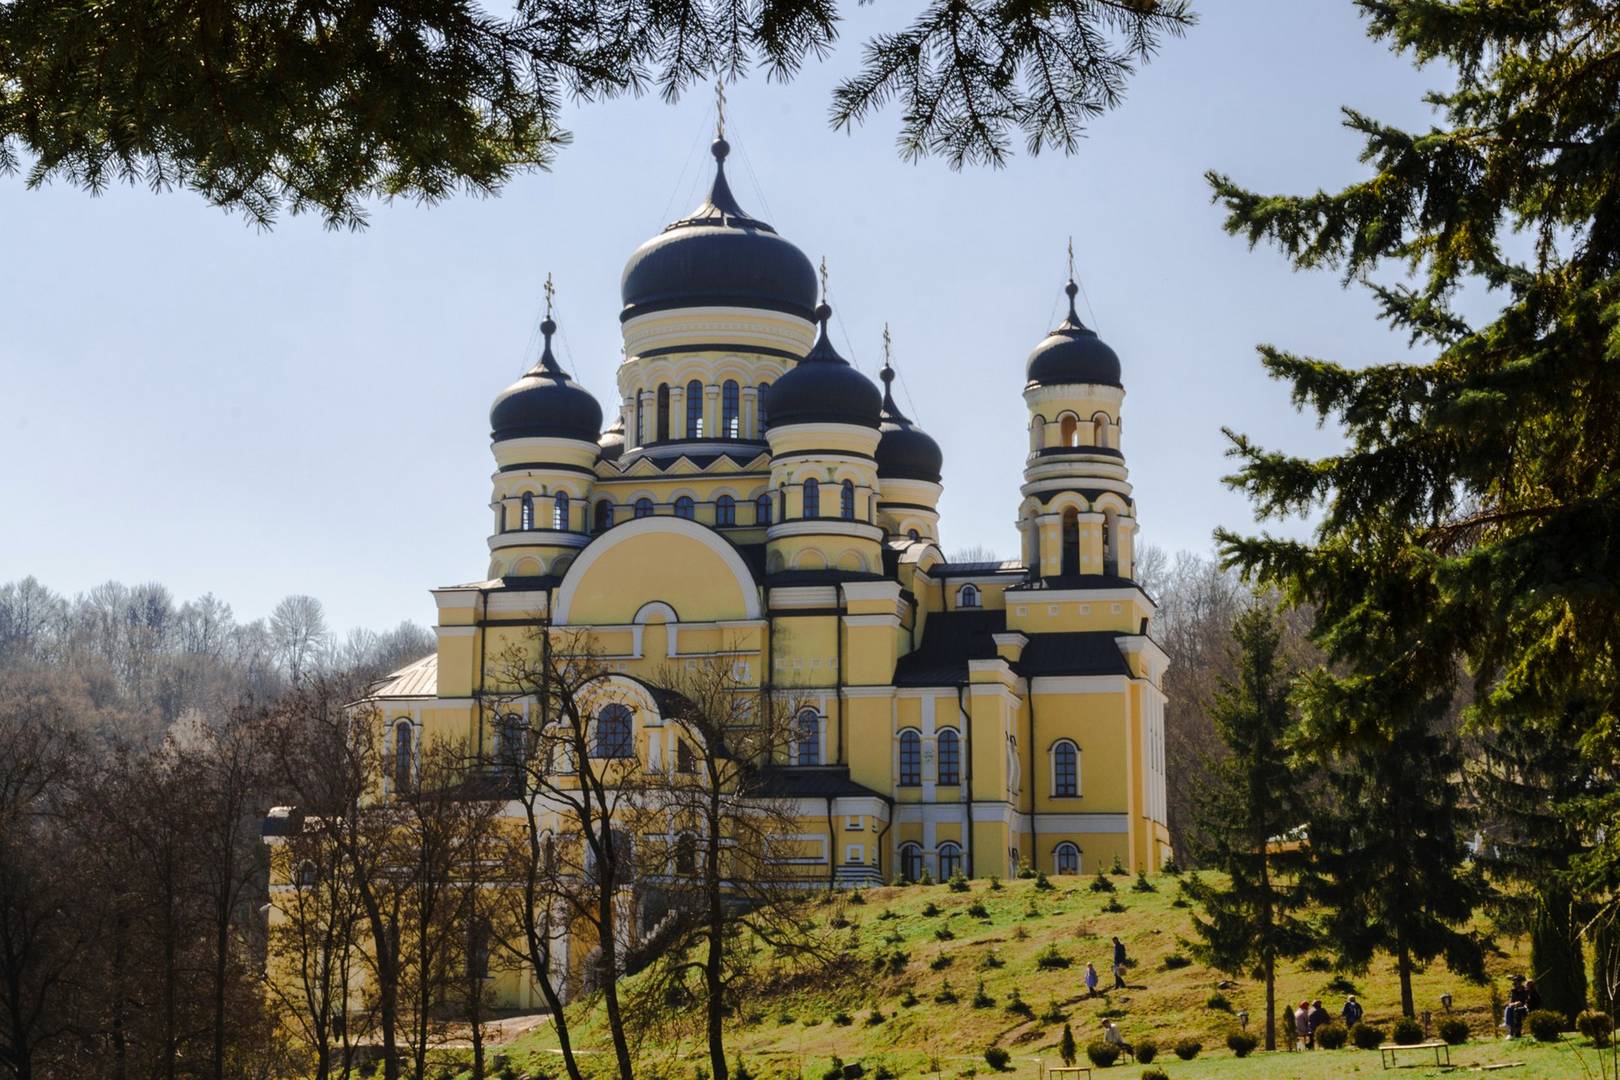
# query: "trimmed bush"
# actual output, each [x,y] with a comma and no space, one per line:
[1100,883]
[957,882]
[1407,1031]
[1328,1036]
[1049,959]
[1367,1036]
[1146,1050]
[1187,1049]
[1155,1074]
[998,1057]
[842,1018]
[1102,1054]
[1597,1026]
[1176,960]
[1180,901]
[1454,1031]
[1218,1002]
[1240,1042]
[1546,1025]
[1066,1047]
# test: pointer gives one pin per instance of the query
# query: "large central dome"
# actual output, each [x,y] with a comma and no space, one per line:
[718,256]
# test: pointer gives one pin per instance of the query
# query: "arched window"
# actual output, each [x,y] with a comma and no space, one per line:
[548,853]
[913,534]
[807,740]
[911,862]
[694,410]
[604,515]
[949,857]
[526,515]
[725,510]
[686,854]
[1037,433]
[685,508]
[402,755]
[1071,543]
[950,757]
[910,758]
[967,596]
[641,426]
[762,509]
[764,420]
[730,409]
[1069,430]
[510,745]
[307,875]
[613,733]
[1066,858]
[685,761]
[1110,543]
[663,411]
[781,507]
[1065,769]
[846,500]
[812,498]
[559,512]
[644,507]
[478,936]
[1099,426]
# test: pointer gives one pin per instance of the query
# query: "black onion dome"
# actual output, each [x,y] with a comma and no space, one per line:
[905,451]
[718,256]
[823,389]
[612,441]
[546,402]
[1073,353]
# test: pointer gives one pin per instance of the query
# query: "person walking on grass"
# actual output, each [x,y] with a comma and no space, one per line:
[1091,980]
[1319,1016]
[1302,1025]
[1351,1012]
[1120,963]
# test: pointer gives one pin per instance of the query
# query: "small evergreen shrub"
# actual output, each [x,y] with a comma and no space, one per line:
[1328,1036]
[1113,907]
[1118,869]
[1171,867]
[1155,1074]
[740,1071]
[944,933]
[896,961]
[1101,883]
[838,922]
[998,1058]
[1018,1006]
[835,1071]
[1102,1054]
[995,883]
[1143,884]
[982,998]
[992,959]
[842,1018]
[1454,1031]
[1187,1049]
[1240,1042]
[1053,1014]
[1025,871]
[858,896]
[957,882]
[1066,1047]
[1050,959]
[930,909]
[1342,984]
[927,878]
[1597,1026]
[946,995]
[1146,1050]
[1180,901]
[978,910]
[1176,960]
[1020,933]
[908,999]
[1219,1002]
[1042,882]
[941,962]
[1546,1025]
[1031,911]
[883,1072]
[887,914]
[1318,962]
[1407,1031]
[786,1018]
[1110,1014]
[1367,1036]
[893,937]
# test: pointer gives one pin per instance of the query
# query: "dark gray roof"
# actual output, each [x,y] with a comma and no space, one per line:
[950,640]
[1011,567]
[546,402]
[808,782]
[823,389]
[1084,652]
[1073,353]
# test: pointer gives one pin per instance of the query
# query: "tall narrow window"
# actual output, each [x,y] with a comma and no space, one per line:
[910,758]
[1037,433]
[526,515]
[950,860]
[663,411]
[613,738]
[684,761]
[686,854]
[478,936]
[812,498]
[764,419]
[846,500]
[1065,770]
[1100,428]
[725,510]
[1069,430]
[402,756]
[967,596]
[559,513]
[950,758]
[641,427]
[809,738]
[604,515]
[730,409]
[502,519]
[644,507]
[1066,858]
[694,410]
[510,734]
[685,508]
[1110,543]
[1071,543]
[911,862]
[762,509]
[781,502]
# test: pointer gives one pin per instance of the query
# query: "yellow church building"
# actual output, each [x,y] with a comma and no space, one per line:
[754,494]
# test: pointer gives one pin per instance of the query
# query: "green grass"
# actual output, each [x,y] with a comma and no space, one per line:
[949,1039]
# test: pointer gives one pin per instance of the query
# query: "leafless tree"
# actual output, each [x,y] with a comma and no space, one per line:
[299,635]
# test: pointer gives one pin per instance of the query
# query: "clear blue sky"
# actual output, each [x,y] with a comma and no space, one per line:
[192,401]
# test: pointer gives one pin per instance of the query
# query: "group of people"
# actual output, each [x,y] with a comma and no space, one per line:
[1523,1000]
[1311,1015]
[1121,962]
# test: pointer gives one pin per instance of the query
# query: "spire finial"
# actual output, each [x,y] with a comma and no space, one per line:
[1071,258]
[720,108]
[551,293]
[888,343]
[823,273]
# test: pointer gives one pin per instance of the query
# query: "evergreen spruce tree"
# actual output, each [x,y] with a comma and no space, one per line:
[1250,921]
[1474,513]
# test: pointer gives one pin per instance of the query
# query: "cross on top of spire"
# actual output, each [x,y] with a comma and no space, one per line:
[1071,258]
[887,343]
[719,108]
[823,273]
[551,293]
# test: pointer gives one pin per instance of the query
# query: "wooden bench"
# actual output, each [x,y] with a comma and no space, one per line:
[1386,1051]
[1059,1071]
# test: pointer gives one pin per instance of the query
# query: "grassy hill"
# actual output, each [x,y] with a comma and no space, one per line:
[908,943]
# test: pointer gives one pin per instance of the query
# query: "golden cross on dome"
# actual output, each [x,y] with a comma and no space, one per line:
[719,108]
[551,292]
